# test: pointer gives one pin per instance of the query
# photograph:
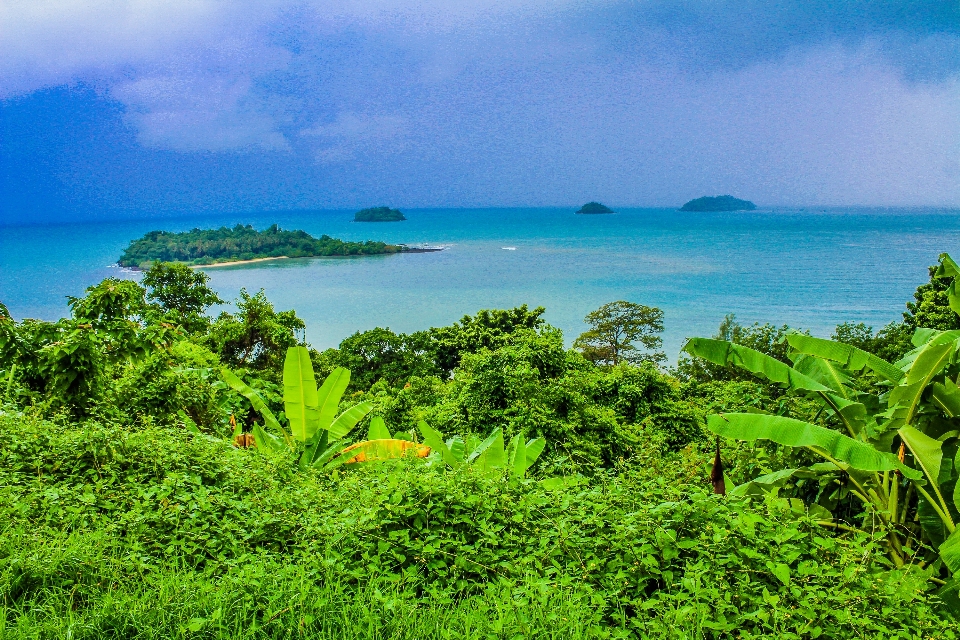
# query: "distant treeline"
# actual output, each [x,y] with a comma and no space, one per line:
[211,246]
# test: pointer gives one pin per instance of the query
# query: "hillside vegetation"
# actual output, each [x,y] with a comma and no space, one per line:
[164,473]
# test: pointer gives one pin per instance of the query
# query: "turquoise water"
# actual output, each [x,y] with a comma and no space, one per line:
[809,268]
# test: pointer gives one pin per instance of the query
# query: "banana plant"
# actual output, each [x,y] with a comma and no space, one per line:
[488,455]
[379,445]
[916,413]
[311,412]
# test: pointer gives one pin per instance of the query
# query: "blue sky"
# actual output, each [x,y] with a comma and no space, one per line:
[113,108]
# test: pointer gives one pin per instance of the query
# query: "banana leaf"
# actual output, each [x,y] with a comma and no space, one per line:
[796,433]
[256,401]
[947,397]
[828,373]
[949,269]
[847,355]
[535,447]
[517,457]
[378,429]
[347,420]
[928,363]
[378,450]
[489,455]
[764,484]
[950,552]
[329,395]
[433,439]
[300,394]
[725,353]
[926,451]
[266,441]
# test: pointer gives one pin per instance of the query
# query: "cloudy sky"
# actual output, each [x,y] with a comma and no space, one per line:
[126,107]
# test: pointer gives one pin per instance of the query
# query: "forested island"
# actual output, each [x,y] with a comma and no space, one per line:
[239,244]
[378,214]
[718,203]
[595,207]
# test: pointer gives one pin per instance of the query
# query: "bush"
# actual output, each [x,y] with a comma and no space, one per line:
[96,512]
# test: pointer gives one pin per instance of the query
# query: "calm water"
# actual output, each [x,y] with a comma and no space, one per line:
[809,268]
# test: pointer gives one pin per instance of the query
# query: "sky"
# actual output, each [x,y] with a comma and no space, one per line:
[122,108]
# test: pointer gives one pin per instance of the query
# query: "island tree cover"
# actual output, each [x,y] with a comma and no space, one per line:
[212,246]
[595,207]
[165,473]
[718,203]
[378,214]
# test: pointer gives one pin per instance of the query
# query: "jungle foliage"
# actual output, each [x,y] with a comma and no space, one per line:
[165,473]
[211,246]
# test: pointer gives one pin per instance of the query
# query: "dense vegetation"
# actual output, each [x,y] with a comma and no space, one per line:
[718,203]
[212,246]
[378,214]
[168,474]
[595,207]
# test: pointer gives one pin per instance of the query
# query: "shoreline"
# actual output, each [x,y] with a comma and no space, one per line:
[235,262]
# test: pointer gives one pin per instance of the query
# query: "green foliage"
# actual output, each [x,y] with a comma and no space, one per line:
[210,246]
[488,329]
[116,531]
[615,327]
[718,203]
[257,337]
[765,338]
[380,354]
[177,287]
[378,214]
[595,207]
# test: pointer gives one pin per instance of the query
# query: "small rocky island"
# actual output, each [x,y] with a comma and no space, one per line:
[595,207]
[378,214]
[718,203]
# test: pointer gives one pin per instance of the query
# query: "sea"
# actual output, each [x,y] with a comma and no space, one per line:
[809,268]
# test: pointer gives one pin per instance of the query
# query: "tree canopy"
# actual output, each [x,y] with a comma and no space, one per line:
[615,327]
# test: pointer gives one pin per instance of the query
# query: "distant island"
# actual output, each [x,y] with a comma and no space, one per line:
[595,207]
[378,214]
[718,203]
[240,244]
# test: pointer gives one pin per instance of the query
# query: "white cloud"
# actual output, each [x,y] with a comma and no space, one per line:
[353,133]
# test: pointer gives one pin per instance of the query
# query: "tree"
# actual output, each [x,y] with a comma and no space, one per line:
[488,329]
[257,337]
[615,327]
[382,354]
[768,339]
[177,287]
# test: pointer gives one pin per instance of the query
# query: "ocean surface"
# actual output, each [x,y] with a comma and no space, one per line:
[808,268]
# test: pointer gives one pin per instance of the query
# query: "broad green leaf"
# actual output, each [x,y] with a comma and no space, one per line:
[300,394]
[347,420]
[378,429]
[535,447]
[764,484]
[927,451]
[329,395]
[947,397]
[727,353]
[489,454]
[188,422]
[256,401]
[518,465]
[950,552]
[433,439]
[828,373]
[949,269]
[458,448]
[266,441]
[929,362]
[315,446]
[796,433]
[329,453]
[847,355]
